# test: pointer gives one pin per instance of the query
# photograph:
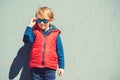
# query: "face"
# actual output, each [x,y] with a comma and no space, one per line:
[43,22]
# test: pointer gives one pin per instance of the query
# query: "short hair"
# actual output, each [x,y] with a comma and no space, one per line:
[45,11]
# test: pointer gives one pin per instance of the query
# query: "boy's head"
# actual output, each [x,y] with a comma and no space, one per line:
[44,17]
[44,12]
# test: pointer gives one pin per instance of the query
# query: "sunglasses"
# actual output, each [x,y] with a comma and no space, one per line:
[42,20]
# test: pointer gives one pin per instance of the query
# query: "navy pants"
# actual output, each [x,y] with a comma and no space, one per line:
[43,74]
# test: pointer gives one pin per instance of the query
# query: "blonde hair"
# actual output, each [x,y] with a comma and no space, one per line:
[43,12]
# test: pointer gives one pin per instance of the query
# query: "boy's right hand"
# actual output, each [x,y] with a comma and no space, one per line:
[32,22]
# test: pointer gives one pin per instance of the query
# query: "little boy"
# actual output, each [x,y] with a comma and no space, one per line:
[47,49]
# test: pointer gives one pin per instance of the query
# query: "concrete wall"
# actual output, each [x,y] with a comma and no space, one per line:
[90,34]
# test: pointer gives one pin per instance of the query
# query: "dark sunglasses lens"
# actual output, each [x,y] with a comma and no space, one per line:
[38,21]
[45,21]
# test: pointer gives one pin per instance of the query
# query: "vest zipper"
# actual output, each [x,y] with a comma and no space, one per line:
[44,45]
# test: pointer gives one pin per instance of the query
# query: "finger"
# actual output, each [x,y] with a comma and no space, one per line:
[33,19]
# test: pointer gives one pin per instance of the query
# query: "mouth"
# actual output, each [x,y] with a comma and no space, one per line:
[42,26]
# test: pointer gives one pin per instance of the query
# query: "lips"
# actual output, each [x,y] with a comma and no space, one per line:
[42,26]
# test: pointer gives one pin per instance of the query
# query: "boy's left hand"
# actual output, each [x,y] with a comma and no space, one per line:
[60,72]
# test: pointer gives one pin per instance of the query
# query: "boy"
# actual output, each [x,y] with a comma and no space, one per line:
[47,49]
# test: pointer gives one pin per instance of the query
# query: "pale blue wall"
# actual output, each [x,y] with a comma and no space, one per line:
[90,34]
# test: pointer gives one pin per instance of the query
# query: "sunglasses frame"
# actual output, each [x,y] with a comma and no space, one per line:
[42,20]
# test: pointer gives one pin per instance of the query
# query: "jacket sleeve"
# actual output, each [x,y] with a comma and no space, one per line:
[60,52]
[28,36]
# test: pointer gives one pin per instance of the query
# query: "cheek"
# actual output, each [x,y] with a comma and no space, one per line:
[46,25]
[39,24]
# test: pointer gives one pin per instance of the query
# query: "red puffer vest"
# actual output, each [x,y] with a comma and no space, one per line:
[43,53]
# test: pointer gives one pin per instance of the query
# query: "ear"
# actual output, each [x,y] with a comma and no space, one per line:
[51,20]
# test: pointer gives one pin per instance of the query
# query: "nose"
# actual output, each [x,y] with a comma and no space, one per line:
[42,22]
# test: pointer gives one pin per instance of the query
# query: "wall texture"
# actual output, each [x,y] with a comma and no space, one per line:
[90,34]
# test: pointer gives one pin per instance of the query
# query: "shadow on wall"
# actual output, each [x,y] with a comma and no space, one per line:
[21,63]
